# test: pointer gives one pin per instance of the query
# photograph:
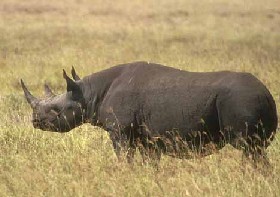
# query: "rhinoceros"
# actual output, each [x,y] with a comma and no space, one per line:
[160,109]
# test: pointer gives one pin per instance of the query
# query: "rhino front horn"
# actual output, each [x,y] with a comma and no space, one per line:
[29,97]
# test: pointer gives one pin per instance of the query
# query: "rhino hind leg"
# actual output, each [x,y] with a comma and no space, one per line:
[255,149]
[243,129]
[248,137]
[150,151]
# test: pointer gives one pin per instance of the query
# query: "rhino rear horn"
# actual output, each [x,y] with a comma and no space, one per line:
[48,91]
[72,86]
[29,97]
[74,74]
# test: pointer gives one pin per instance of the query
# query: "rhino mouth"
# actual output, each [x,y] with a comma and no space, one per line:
[45,125]
[54,126]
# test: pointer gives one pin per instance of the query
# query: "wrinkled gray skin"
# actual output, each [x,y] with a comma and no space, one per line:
[143,101]
[57,113]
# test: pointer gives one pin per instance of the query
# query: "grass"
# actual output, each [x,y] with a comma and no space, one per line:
[38,39]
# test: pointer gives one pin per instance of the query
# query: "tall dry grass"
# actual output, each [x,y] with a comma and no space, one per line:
[38,39]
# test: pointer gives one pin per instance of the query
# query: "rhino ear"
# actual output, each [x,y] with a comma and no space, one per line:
[74,74]
[48,91]
[29,97]
[72,86]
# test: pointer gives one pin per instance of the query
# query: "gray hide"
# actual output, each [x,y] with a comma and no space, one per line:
[154,105]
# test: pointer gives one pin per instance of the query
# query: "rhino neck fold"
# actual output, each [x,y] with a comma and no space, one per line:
[94,88]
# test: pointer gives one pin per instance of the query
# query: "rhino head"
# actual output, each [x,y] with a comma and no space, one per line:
[58,113]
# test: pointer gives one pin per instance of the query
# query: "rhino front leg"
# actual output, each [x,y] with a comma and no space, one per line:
[130,154]
[122,145]
[118,143]
[150,151]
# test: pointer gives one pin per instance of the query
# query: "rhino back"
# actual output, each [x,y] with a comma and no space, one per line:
[160,97]
[163,98]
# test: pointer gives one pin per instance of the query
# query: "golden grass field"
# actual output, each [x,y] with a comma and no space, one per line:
[40,38]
